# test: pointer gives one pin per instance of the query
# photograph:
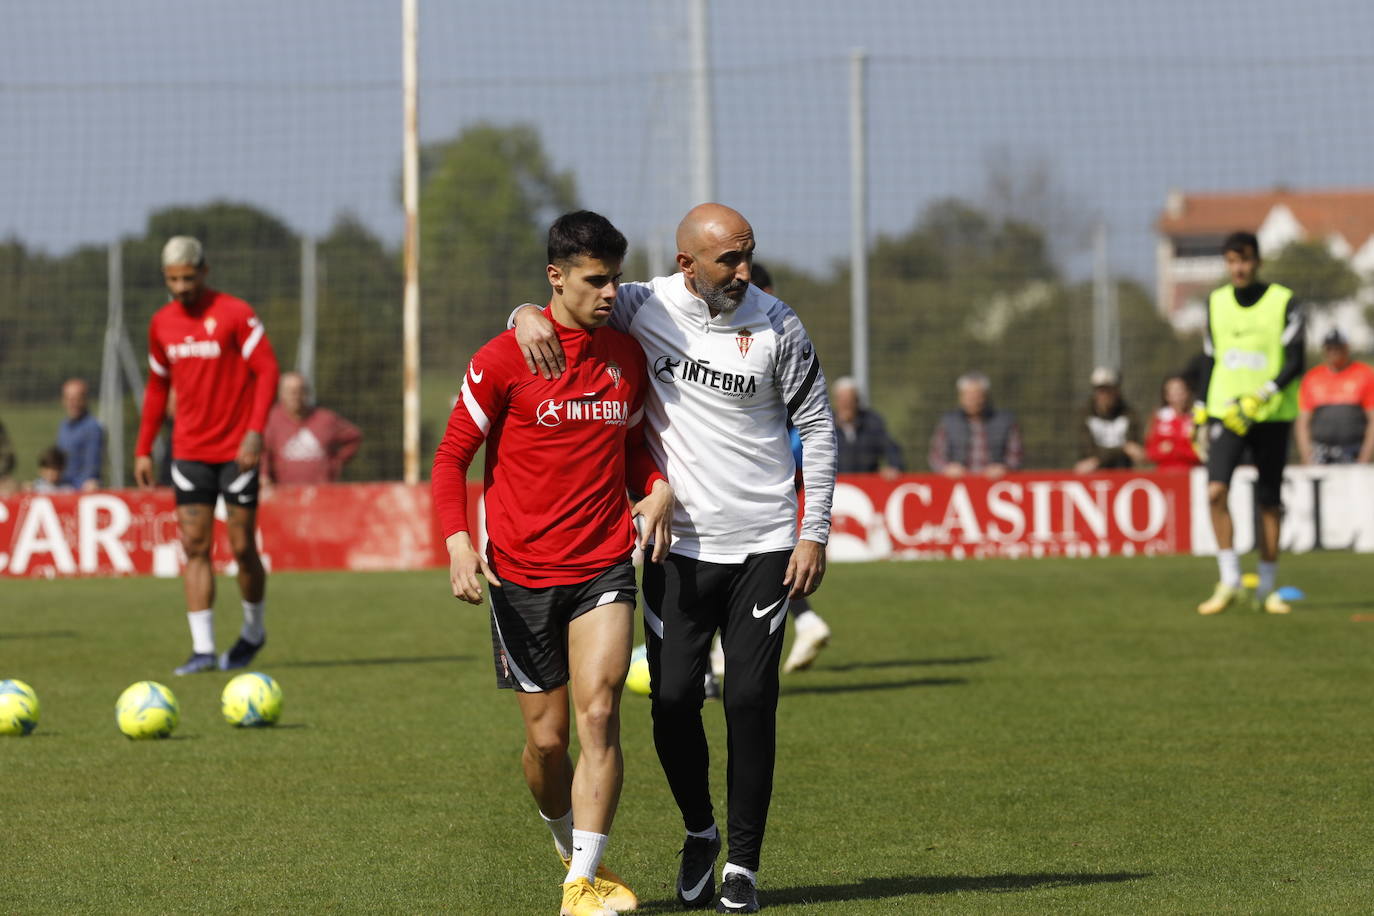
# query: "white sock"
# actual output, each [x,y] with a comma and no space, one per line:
[710,833]
[202,631]
[253,612]
[561,828]
[732,869]
[587,850]
[1228,564]
[1268,575]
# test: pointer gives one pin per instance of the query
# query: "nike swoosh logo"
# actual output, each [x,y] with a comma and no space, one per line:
[694,893]
[760,614]
[477,376]
[732,904]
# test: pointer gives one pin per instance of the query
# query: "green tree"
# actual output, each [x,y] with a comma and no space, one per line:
[1316,276]
[487,198]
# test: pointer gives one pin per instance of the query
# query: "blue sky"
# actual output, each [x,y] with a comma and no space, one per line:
[108,111]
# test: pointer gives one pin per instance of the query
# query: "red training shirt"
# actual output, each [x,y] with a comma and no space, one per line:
[560,455]
[1170,442]
[312,449]
[1322,387]
[217,358]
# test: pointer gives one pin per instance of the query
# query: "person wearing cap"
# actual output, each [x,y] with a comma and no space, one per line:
[1335,422]
[1109,430]
[1254,337]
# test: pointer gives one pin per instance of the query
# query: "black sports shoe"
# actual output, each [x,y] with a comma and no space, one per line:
[696,877]
[240,654]
[737,895]
[198,662]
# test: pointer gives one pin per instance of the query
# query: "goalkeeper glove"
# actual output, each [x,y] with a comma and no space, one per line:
[1201,428]
[1241,413]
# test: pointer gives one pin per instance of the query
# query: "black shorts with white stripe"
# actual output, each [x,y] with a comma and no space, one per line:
[529,626]
[200,484]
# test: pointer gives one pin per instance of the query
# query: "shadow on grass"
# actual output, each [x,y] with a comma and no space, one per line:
[930,885]
[347,662]
[901,885]
[908,663]
[789,690]
[42,634]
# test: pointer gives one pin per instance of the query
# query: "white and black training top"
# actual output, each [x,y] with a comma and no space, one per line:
[722,392]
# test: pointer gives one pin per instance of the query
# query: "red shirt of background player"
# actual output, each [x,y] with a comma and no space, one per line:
[217,357]
[1170,442]
[561,454]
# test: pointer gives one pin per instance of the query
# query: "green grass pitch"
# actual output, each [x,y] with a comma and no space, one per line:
[1057,736]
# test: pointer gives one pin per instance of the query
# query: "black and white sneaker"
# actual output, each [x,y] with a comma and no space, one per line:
[737,895]
[696,877]
[197,663]
[240,654]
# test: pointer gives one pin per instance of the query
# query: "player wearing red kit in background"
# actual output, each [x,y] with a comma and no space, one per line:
[210,350]
[560,455]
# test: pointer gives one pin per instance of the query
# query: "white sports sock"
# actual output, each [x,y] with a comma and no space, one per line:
[732,869]
[202,631]
[1268,575]
[253,612]
[1228,565]
[710,833]
[562,830]
[587,850]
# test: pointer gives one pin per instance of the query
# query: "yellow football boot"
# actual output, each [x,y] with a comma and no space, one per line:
[612,888]
[1274,604]
[1222,598]
[581,899]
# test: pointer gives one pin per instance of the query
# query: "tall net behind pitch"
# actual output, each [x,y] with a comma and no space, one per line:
[1018,163]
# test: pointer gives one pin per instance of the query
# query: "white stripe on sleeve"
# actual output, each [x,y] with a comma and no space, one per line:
[156,366]
[479,416]
[252,343]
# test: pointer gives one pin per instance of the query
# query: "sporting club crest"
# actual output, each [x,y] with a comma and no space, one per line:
[613,370]
[210,326]
[744,341]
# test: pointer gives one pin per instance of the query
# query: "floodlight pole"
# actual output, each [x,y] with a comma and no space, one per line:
[703,139]
[858,222]
[410,179]
[305,347]
[111,393]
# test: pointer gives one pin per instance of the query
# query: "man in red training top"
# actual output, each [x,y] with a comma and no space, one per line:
[210,349]
[560,456]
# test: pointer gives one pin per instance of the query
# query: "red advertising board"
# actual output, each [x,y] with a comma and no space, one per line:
[1022,515]
[134,532]
[391,525]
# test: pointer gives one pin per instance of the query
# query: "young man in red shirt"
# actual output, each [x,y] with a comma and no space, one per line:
[210,349]
[560,456]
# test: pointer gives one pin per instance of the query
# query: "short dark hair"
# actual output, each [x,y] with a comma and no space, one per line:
[1240,242]
[52,457]
[583,233]
[759,276]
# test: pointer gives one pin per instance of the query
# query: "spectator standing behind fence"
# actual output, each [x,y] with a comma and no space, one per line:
[1169,443]
[1335,422]
[303,443]
[863,444]
[52,462]
[81,438]
[975,438]
[1109,430]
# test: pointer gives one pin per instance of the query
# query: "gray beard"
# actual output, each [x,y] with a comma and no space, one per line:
[716,298]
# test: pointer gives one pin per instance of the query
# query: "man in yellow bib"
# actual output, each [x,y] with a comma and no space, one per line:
[1254,352]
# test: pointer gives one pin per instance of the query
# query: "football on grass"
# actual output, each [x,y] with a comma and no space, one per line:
[638,679]
[147,709]
[18,708]
[251,699]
